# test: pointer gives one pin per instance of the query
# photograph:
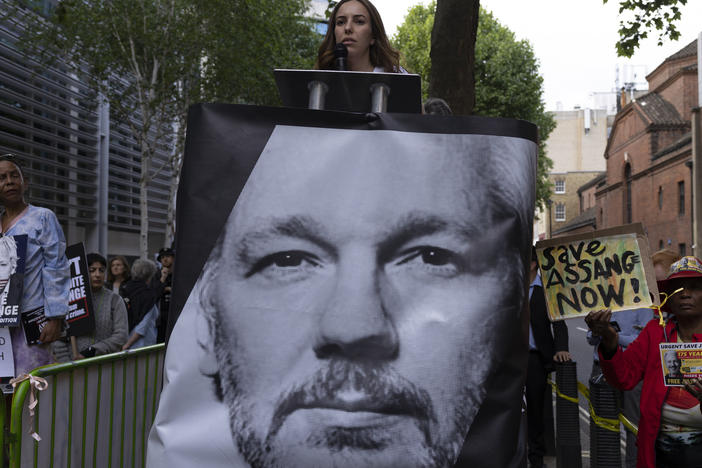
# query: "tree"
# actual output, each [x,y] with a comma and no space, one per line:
[453,53]
[507,81]
[151,59]
[660,15]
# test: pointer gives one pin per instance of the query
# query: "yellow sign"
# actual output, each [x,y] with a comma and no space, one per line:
[599,270]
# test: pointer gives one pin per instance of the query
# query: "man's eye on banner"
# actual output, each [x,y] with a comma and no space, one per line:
[363,299]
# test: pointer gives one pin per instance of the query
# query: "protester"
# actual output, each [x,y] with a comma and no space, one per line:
[357,25]
[118,273]
[46,272]
[162,283]
[544,349]
[437,106]
[670,429]
[110,318]
[142,311]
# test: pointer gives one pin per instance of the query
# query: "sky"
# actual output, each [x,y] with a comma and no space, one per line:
[574,41]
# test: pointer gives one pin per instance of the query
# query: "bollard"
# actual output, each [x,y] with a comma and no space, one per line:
[549,432]
[568,450]
[605,444]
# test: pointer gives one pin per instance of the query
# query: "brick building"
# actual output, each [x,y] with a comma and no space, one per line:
[649,157]
[586,220]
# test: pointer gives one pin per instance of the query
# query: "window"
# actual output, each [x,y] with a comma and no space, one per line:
[660,244]
[560,186]
[681,198]
[560,212]
[660,198]
[681,249]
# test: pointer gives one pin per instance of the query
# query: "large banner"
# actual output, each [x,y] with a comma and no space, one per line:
[605,269]
[350,291]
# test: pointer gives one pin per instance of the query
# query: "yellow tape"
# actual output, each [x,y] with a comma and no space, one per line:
[657,308]
[605,423]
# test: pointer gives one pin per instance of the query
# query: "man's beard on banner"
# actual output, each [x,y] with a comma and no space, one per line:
[381,386]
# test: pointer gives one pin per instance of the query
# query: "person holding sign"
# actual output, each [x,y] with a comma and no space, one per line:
[110,318]
[670,428]
[46,273]
[357,25]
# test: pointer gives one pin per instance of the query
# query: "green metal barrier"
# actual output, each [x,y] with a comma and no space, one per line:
[96,412]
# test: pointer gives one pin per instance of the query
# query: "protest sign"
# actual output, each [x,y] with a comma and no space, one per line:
[13,250]
[7,365]
[681,362]
[81,314]
[337,301]
[606,269]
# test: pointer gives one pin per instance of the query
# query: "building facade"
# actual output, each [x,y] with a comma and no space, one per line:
[576,147]
[80,163]
[649,157]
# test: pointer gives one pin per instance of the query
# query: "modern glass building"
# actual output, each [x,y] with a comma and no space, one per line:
[80,163]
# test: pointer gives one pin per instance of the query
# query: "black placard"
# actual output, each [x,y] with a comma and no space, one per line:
[81,312]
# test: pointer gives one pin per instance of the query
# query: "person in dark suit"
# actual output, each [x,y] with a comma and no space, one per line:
[545,347]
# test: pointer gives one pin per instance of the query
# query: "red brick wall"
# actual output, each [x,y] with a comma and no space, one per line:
[681,93]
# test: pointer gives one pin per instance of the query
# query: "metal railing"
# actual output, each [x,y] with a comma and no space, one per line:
[96,412]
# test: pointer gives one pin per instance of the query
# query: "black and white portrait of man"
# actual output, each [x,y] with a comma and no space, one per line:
[349,314]
[10,279]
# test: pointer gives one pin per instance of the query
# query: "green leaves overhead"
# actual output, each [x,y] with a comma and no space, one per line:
[507,80]
[645,16]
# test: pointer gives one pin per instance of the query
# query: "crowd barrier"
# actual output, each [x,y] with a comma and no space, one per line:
[605,419]
[98,412]
[95,412]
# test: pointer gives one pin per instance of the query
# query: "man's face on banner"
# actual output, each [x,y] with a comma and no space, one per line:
[672,362]
[356,300]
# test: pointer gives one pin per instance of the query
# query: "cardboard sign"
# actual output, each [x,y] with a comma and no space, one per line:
[7,364]
[681,362]
[13,250]
[606,269]
[81,314]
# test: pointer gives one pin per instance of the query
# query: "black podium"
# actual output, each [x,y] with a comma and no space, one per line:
[350,91]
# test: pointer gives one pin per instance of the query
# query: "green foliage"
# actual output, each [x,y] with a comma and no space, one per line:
[245,40]
[413,40]
[648,15]
[507,80]
[151,59]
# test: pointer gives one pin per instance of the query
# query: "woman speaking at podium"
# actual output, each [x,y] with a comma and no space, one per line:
[357,25]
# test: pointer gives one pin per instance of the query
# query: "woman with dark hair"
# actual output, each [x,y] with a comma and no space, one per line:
[357,25]
[110,318]
[46,272]
[670,429]
[118,273]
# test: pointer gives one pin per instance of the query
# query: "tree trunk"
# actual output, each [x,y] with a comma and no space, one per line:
[453,53]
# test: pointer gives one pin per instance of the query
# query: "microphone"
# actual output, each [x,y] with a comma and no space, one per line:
[340,54]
